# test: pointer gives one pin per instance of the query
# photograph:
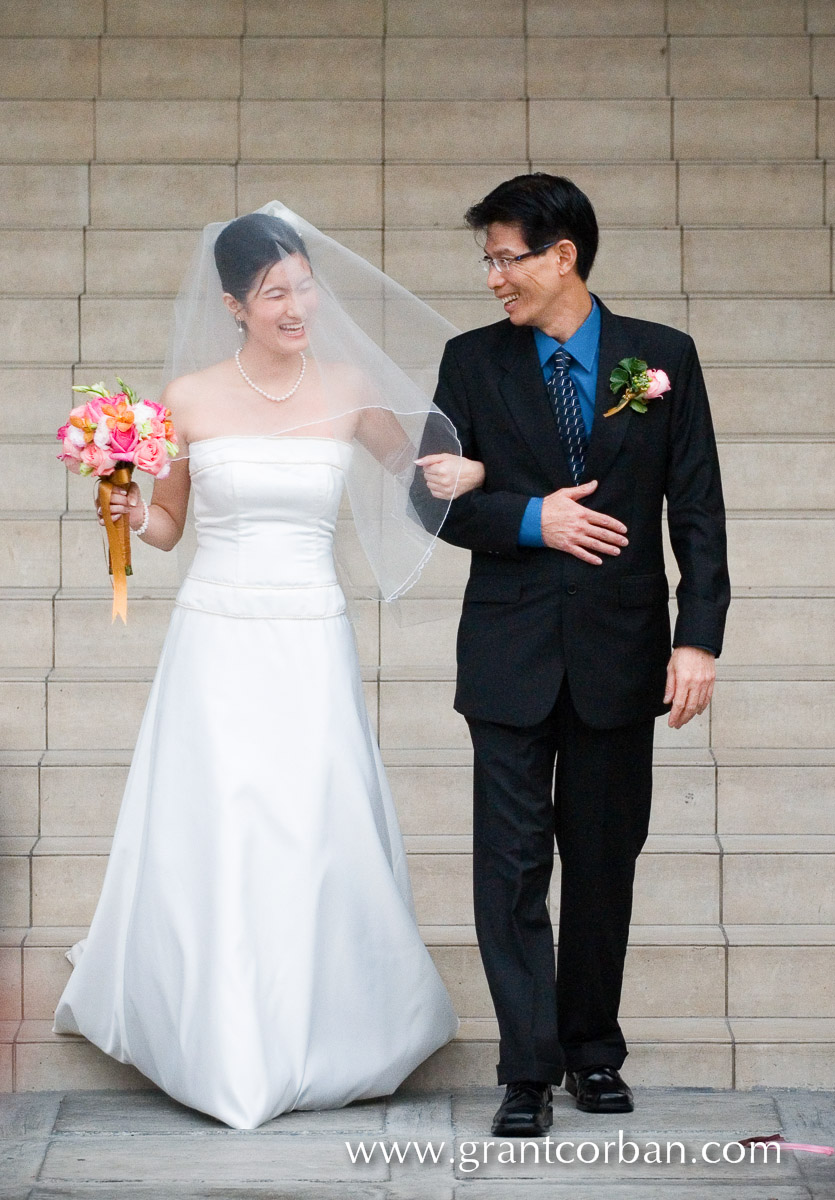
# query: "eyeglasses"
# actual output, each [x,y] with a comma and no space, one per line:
[503,265]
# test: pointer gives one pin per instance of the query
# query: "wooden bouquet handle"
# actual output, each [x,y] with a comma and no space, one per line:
[118,539]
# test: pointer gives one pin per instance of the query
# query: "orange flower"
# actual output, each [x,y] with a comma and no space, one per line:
[119,416]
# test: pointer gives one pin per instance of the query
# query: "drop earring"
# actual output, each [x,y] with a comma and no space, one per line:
[241,327]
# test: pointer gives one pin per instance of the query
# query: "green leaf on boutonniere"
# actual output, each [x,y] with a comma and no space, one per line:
[638,406]
[618,379]
[635,366]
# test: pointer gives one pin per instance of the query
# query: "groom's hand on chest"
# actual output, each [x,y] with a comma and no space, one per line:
[567,525]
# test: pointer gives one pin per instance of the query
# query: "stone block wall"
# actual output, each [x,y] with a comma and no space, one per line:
[703,131]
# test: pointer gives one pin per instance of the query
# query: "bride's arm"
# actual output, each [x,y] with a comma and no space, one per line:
[447,475]
[166,512]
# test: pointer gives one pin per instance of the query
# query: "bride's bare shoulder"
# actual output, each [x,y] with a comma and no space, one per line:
[186,390]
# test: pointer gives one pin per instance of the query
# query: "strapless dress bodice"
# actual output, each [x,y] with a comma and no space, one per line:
[265,511]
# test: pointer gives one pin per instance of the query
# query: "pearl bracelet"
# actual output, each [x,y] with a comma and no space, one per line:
[145,522]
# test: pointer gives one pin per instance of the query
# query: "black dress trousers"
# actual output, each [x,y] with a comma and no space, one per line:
[590,789]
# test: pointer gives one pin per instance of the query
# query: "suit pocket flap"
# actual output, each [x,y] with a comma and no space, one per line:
[637,590]
[493,587]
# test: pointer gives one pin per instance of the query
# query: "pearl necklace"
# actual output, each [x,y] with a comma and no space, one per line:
[256,388]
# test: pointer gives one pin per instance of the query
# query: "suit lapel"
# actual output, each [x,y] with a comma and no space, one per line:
[607,433]
[524,392]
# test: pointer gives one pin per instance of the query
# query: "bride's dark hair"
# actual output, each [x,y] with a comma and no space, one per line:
[249,246]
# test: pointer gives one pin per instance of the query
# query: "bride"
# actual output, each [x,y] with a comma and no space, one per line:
[255,947]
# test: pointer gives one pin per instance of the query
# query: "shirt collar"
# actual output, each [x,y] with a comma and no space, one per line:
[583,344]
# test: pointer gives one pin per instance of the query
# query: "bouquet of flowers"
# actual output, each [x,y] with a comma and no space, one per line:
[107,437]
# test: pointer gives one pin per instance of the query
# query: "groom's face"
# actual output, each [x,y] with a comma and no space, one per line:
[527,290]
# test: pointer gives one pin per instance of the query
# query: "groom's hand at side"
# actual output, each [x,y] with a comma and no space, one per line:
[568,526]
[691,674]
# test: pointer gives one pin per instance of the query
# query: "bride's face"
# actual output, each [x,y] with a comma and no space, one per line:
[278,311]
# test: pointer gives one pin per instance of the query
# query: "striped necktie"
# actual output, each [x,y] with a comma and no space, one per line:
[569,415]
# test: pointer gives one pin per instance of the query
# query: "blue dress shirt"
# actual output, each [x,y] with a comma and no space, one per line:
[584,348]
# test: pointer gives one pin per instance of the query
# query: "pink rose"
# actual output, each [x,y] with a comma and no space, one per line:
[152,456]
[96,460]
[658,383]
[62,432]
[123,443]
[92,410]
[70,455]
[157,428]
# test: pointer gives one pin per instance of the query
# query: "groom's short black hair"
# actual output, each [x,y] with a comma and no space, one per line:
[546,208]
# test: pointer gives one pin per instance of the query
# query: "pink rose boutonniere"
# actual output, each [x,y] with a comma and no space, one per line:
[639,382]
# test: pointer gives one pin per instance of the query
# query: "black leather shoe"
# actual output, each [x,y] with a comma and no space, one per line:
[599,1090]
[525,1111]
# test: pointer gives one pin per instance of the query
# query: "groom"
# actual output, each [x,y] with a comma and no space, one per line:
[564,644]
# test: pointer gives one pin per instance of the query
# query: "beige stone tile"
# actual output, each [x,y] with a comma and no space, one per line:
[694,735]
[173,68]
[70,1063]
[736,260]
[739,194]
[683,800]
[626,193]
[124,330]
[58,18]
[14,891]
[744,129]
[779,888]
[596,67]
[739,66]
[635,261]
[48,68]
[432,800]
[461,970]
[45,974]
[294,68]
[455,131]
[19,801]
[426,637]
[27,635]
[161,197]
[10,983]
[736,331]
[788,800]
[6,1067]
[744,16]
[41,331]
[29,553]
[29,478]
[43,197]
[348,18]
[420,714]
[779,713]
[823,66]
[668,311]
[460,68]
[66,887]
[436,197]
[800,981]
[334,196]
[790,475]
[41,263]
[23,725]
[433,260]
[67,698]
[826,129]
[135,263]
[197,18]
[466,314]
[442,887]
[166,130]
[435,18]
[676,889]
[52,131]
[774,1065]
[83,564]
[666,981]
[327,130]
[665,1065]
[774,553]
[86,637]
[628,17]
[820,17]
[746,398]
[81,801]
[777,631]
[600,130]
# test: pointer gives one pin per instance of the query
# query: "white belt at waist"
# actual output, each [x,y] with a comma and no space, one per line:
[258,602]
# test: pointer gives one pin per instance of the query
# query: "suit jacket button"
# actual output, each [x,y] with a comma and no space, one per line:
[571,589]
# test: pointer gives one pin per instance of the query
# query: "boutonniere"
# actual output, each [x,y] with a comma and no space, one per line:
[640,383]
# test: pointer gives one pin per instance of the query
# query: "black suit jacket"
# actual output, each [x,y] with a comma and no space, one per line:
[532,615]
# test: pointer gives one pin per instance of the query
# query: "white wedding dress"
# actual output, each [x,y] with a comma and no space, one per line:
[255,949]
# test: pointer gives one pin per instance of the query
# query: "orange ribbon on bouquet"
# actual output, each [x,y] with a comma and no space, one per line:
[118,539]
